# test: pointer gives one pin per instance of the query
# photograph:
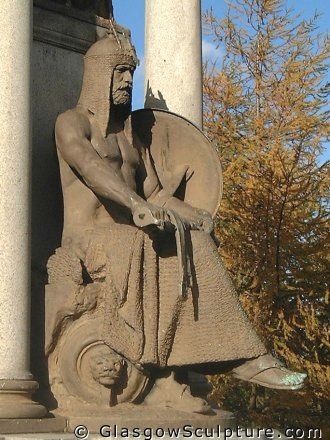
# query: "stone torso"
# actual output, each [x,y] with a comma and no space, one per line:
[122,157]
[118,152]
[84,210]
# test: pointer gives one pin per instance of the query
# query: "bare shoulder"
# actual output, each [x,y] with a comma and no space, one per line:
[72,125]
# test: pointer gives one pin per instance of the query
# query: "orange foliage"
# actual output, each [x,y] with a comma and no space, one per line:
[265,111]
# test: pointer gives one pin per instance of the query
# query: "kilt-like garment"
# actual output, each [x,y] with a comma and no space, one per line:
[145,318]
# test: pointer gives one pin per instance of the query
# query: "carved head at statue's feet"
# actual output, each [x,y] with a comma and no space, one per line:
[106,367]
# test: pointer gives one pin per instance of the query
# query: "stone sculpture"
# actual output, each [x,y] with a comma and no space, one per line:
[106,367]
[137,292]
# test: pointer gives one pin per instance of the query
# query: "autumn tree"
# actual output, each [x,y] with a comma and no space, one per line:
[265,110]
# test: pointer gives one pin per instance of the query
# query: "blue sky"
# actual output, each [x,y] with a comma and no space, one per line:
[130,13]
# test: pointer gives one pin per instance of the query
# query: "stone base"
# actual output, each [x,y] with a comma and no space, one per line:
[53,436]
[16,402]
[26,426]
[142,417]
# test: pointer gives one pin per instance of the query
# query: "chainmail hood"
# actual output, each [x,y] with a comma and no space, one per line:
[99,63]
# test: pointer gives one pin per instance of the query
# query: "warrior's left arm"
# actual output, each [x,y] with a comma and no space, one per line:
[162,194]
[196,218]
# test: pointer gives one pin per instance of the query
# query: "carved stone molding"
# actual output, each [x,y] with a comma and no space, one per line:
[99,8]
[56,24]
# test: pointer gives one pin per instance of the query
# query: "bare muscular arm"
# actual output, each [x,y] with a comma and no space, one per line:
[72,131]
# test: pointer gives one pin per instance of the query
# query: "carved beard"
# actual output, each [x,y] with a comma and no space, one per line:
[121,103]
[122,95]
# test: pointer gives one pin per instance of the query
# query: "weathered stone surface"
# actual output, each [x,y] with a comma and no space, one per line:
[57,68]
[136,251]
[137,291]
[67,28]
[142,417]
[173,57]
[61,35]
[26,426]
[15,189]
[87,9]
[243,434]
[16,384]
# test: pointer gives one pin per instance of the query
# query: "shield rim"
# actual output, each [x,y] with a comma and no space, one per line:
[212,151]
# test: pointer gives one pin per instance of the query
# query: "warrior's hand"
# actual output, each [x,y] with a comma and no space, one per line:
[205,221]
[148,214]
[196,219]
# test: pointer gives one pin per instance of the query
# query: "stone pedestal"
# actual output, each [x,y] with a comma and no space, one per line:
[33,426]
[16,384]
[141,418]
[173,57]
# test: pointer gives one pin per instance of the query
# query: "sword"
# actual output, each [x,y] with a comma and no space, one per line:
[144,217]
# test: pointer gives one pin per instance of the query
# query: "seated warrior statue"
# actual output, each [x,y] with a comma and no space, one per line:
[166,300]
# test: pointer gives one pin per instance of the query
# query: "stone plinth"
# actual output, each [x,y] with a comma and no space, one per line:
[143,417]
[34,426]
[249,436]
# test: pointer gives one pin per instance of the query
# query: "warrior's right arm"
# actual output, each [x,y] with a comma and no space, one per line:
[71,132]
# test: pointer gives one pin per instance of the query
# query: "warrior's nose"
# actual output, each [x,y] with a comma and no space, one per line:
[107,368]
[128,77]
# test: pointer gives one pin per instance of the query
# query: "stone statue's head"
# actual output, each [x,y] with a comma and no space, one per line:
[109,65]
[106,367]
[122,84]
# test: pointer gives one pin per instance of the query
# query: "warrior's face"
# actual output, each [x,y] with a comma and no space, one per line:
[122,85]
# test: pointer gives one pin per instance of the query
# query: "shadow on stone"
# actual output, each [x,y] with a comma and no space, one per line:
[151,101]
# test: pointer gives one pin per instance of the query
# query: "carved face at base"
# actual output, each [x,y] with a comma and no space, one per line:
[106,367]
[122,84]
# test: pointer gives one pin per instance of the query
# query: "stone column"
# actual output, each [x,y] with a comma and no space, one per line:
[16,383]
[173,57]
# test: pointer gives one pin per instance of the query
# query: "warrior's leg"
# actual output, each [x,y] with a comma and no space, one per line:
[269,372]
[168,392]
[264,369]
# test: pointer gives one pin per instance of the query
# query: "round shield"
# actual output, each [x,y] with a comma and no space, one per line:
[91,371]
[182,154]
